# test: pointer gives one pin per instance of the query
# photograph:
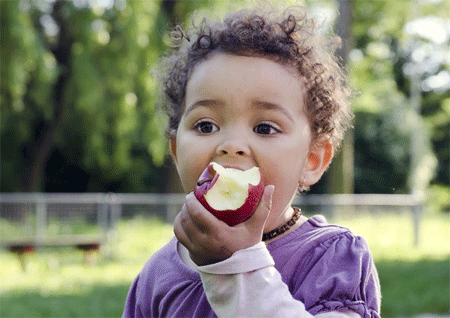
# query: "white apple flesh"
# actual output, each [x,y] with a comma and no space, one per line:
[232,195]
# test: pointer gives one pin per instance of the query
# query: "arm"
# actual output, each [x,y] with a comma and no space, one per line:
[248,285]
[228,284]
[224,260]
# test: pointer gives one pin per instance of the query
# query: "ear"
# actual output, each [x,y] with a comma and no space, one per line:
[319,158]
[173,145]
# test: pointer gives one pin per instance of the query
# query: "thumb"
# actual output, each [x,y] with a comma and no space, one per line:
[261,214]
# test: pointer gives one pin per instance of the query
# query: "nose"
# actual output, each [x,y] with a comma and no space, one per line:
[234,145]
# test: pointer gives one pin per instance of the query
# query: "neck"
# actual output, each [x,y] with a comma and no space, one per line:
[294,221]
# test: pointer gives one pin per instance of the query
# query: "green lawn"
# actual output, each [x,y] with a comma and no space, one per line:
[414,279]
[391,237]
[57,283]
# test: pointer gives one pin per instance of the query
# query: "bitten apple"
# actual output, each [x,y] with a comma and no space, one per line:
[232,195]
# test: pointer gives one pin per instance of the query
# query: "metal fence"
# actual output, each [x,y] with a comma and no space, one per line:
[43,217]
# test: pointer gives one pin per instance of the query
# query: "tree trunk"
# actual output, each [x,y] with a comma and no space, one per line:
[173,184]
[341,175]
[39,150]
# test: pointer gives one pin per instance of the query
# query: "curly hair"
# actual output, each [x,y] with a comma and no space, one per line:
[288,39]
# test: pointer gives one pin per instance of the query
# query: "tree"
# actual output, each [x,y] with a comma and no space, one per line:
[78,100]
[77,94]
[341,175]
[379,64]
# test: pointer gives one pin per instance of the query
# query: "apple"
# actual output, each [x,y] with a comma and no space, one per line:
[231,195]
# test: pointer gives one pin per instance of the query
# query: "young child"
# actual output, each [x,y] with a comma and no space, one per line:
[259,89]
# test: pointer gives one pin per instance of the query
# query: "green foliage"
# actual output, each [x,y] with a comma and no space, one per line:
[381,158]
[27,73]
[439,198]
[76,78]
[385,120]
[78,99]
[111,86]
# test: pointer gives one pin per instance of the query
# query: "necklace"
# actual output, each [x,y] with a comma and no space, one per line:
[284,228]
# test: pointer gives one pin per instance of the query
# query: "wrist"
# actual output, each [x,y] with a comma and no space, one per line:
[246,260]
[203,260]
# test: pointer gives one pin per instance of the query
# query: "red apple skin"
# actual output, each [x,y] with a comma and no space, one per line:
[231,217]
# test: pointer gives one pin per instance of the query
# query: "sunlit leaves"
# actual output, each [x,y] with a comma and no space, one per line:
[109,93]
[393,42]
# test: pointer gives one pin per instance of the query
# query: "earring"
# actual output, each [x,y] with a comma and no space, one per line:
[302,188]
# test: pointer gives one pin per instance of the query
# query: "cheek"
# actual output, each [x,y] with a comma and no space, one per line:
[289,159]
[284,169]
[192,160]
[188,177]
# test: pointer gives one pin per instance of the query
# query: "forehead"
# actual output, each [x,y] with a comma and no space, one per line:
[219,61]
[244,76]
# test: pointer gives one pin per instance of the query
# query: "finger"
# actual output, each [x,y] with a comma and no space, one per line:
[179,231]
[189,235]
[261,214]
[186,230]
[185,227]
[204,220]
[195,223]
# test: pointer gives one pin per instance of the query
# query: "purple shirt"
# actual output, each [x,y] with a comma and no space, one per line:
[324,266]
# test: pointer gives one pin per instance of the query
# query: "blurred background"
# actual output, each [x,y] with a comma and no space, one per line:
[88,191]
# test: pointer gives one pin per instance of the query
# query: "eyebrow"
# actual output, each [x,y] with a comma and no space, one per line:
[272,106]
[258,104]
[205,103]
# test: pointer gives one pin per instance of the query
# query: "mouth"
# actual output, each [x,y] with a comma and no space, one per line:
[207,176]
[234,167]
[210,175]
[242,167]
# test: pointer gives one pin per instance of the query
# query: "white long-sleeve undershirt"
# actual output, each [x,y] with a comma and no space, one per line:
[248,285]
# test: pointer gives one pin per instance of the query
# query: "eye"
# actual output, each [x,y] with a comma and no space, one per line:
[205,127]
[265,129]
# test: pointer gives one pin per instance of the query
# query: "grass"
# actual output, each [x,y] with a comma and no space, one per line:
[414,279]
[57,282]
[391,236]
[97,301]
[411,288]
[27,227]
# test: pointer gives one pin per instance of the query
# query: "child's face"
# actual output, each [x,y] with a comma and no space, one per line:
[242,112]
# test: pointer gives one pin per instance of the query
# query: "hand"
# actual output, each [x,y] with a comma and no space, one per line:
[210,240]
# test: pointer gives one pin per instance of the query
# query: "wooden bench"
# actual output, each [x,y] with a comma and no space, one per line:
[23,246]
